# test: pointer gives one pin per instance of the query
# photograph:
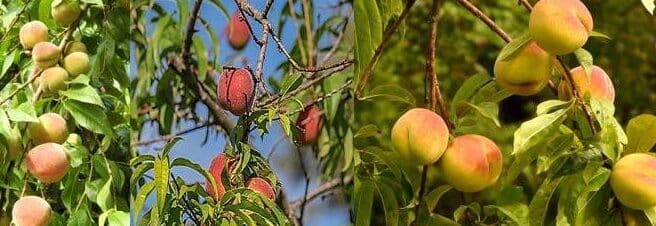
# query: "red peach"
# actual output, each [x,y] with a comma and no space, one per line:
[31,211]
[47,162]
[50,128]
[237,31]
[599,86]
[309,123]
[236,90]
[420,136]
[471,163]
[216,169]
[261,186]
[560,26]
[32,33]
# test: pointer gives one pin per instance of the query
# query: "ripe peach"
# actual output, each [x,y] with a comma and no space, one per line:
[237,31]
[420,136]
[309,122]
[32,33]
[560,26]
[525,73]
[31,211]
[236,90]
[50,128]
[66,12]
[633,179]
[599,86]
[53,80]
[261,186]
[47,162]
[77,63]
[471,163]
[216,169]
[74,46]
[45,54]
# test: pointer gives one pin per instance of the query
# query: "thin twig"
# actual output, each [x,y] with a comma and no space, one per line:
[30,81]
[307,183]
[379,50]
[325,187]
[13,22]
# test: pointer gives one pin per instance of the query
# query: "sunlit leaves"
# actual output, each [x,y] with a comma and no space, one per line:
[641,132]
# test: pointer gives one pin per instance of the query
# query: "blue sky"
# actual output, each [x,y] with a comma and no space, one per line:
[330,211]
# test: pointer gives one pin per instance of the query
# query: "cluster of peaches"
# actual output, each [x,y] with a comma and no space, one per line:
[472,162]
[236,94]
[47,161]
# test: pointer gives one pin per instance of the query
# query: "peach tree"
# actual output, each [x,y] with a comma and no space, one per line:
[64,112]
[453,160]
[186,84]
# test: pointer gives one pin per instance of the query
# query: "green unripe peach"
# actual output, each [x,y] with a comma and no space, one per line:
[53,80]
[31,211]
[526,72]
[77,63]
[14,145]
[471,163]
[74,46]
[560,26]
[32,33]
[45,54]
[66,12]
[599,86]
[261,186]
[420,136]
[50,128]
[633,180]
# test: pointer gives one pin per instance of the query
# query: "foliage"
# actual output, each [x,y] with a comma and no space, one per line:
[177,68]
[556,169]
[96,106]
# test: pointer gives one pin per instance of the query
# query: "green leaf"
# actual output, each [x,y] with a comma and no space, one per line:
[551,105]
[540,202]
[364,198]
[532,131]
[516,45]
[651,215]
[84,94]
[641,132]
[488,110]
[516,212]
[585,59]
[201,57]
[467,90]
[89,116]
[23,113]
[161,181]
[291,82]
[104,198]
[433,197]
[367,131]
[390,204]
[368,33]
[139,201]
[286,125]
[391,93]
[601,35]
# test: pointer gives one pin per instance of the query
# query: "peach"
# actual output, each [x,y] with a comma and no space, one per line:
[420,136]
[15,146]
[66,12]
[32,33]
[77,63]
[471,163]
[216,169]
[525,73]
[50,128]
[31,211]
[74,46]
[309,123]
[560,26]
[236,90]
[599,86]
[47,162]
[261,186]
[45,55]
[237,31]
[53,80]
[633,179]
